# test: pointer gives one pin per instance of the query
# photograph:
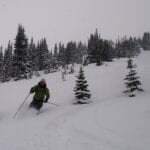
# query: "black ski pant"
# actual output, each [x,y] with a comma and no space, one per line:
[37,104]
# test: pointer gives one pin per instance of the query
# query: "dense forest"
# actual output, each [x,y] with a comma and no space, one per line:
[23,58]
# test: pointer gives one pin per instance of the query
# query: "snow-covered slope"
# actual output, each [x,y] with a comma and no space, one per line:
[112,121]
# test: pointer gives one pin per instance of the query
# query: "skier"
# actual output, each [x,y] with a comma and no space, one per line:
[41,95]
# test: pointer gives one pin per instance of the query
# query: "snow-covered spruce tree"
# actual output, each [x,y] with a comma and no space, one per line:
[43,56]
[54,59]
[61,55]
[1,65]
[81,52]
[8,62]
[82,94]
[20,59]
[146,41]
[107,54]
[70,52]
[95,48]
[31,60]
[132,83]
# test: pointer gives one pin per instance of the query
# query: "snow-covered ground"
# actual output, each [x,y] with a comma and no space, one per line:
[112,121]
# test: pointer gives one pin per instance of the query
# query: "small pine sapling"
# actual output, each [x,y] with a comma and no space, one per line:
[132,83]
[82,94]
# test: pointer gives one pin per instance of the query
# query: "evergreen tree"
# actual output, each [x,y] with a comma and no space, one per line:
[127,47]
[137,42]
[107,54]
[146,41]
[32,58]
[132,83]
[20,62]
[70,52]
[38,55]
[81,52]
[55,51]
[82,94]
[95,48]
[8,61]
[118,49]
[51,65]
[55,57]
[43,56]
[100,49]
[62,55]
[1,65]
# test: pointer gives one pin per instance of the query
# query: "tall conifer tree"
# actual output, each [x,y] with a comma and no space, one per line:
[8,62]
[95,48]
[21,67]
[1,65]
[43,56]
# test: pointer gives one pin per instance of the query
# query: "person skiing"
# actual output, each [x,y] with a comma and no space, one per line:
[41,94]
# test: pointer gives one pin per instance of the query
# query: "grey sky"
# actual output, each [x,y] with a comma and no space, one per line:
[65,20]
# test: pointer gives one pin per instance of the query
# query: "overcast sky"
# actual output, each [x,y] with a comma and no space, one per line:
[65,20]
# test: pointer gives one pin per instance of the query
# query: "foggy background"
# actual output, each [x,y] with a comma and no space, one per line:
[65,20]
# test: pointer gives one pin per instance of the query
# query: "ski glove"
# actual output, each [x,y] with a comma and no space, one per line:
[31,90]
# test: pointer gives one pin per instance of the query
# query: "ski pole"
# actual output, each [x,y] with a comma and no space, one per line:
[21,106]
[52,103]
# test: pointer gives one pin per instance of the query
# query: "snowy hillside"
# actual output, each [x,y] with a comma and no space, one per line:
[112,121]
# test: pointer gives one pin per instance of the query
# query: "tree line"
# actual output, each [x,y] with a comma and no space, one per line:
[25,58]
